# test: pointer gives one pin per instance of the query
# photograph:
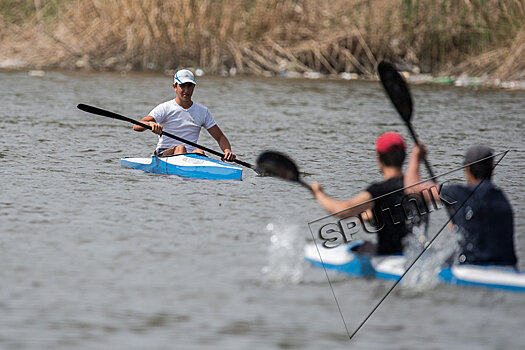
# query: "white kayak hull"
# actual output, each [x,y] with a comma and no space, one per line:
[190,165]
[343,260]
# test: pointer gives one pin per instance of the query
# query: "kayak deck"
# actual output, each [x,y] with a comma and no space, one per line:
[391,267]
[190,165]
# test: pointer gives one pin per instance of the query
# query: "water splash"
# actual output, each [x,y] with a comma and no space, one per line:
[285,253]
[424,273]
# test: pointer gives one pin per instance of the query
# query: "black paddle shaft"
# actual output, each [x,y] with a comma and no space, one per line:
[399,94]
[109,114]
[397,90]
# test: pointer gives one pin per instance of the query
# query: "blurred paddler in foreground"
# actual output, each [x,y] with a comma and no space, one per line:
[377,202]
[482,213]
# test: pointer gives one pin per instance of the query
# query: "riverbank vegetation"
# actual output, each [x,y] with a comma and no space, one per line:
[285,37]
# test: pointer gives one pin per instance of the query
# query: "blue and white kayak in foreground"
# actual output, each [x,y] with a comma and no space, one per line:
[189,165]
[344,260]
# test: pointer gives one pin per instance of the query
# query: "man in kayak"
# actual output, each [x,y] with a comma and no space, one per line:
[377,201]
[184,118]
[481,212]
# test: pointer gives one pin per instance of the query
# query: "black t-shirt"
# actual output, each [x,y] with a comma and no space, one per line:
[389,218]
[486,221]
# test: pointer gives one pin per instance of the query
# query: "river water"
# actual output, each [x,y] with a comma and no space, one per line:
[95,256]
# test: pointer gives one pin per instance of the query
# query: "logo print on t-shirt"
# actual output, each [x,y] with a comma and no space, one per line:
[469,213]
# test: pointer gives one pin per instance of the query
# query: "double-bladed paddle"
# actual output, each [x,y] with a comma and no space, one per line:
[279,165]
[399,94]
[105,113]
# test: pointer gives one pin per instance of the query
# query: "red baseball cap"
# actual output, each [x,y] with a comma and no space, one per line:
[388,140]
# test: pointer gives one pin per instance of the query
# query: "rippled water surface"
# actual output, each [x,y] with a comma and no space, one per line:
[95,256]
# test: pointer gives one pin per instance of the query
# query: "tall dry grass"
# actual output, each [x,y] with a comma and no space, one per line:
[262,37]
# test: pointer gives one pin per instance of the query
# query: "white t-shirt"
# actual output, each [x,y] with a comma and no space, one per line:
[185,123]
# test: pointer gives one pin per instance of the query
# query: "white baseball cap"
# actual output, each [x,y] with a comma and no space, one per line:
[184,76]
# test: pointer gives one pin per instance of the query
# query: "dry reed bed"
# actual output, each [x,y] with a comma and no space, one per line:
[272,37]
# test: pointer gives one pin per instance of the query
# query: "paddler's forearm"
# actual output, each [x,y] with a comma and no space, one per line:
[149,120]
[224,144]
[138,128]
[328,203]
[144,120]
[413,177]
[412,173]
[343,208]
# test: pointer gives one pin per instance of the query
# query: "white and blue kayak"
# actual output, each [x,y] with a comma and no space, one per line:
[189,165]
[342,259]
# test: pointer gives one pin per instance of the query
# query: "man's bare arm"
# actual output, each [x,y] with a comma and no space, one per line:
[149,120]
[344,208]
[412,176]
[223,142]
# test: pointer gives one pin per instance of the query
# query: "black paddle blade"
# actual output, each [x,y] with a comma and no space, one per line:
[396,89]
[278,165]
[104,113]
[92,109]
